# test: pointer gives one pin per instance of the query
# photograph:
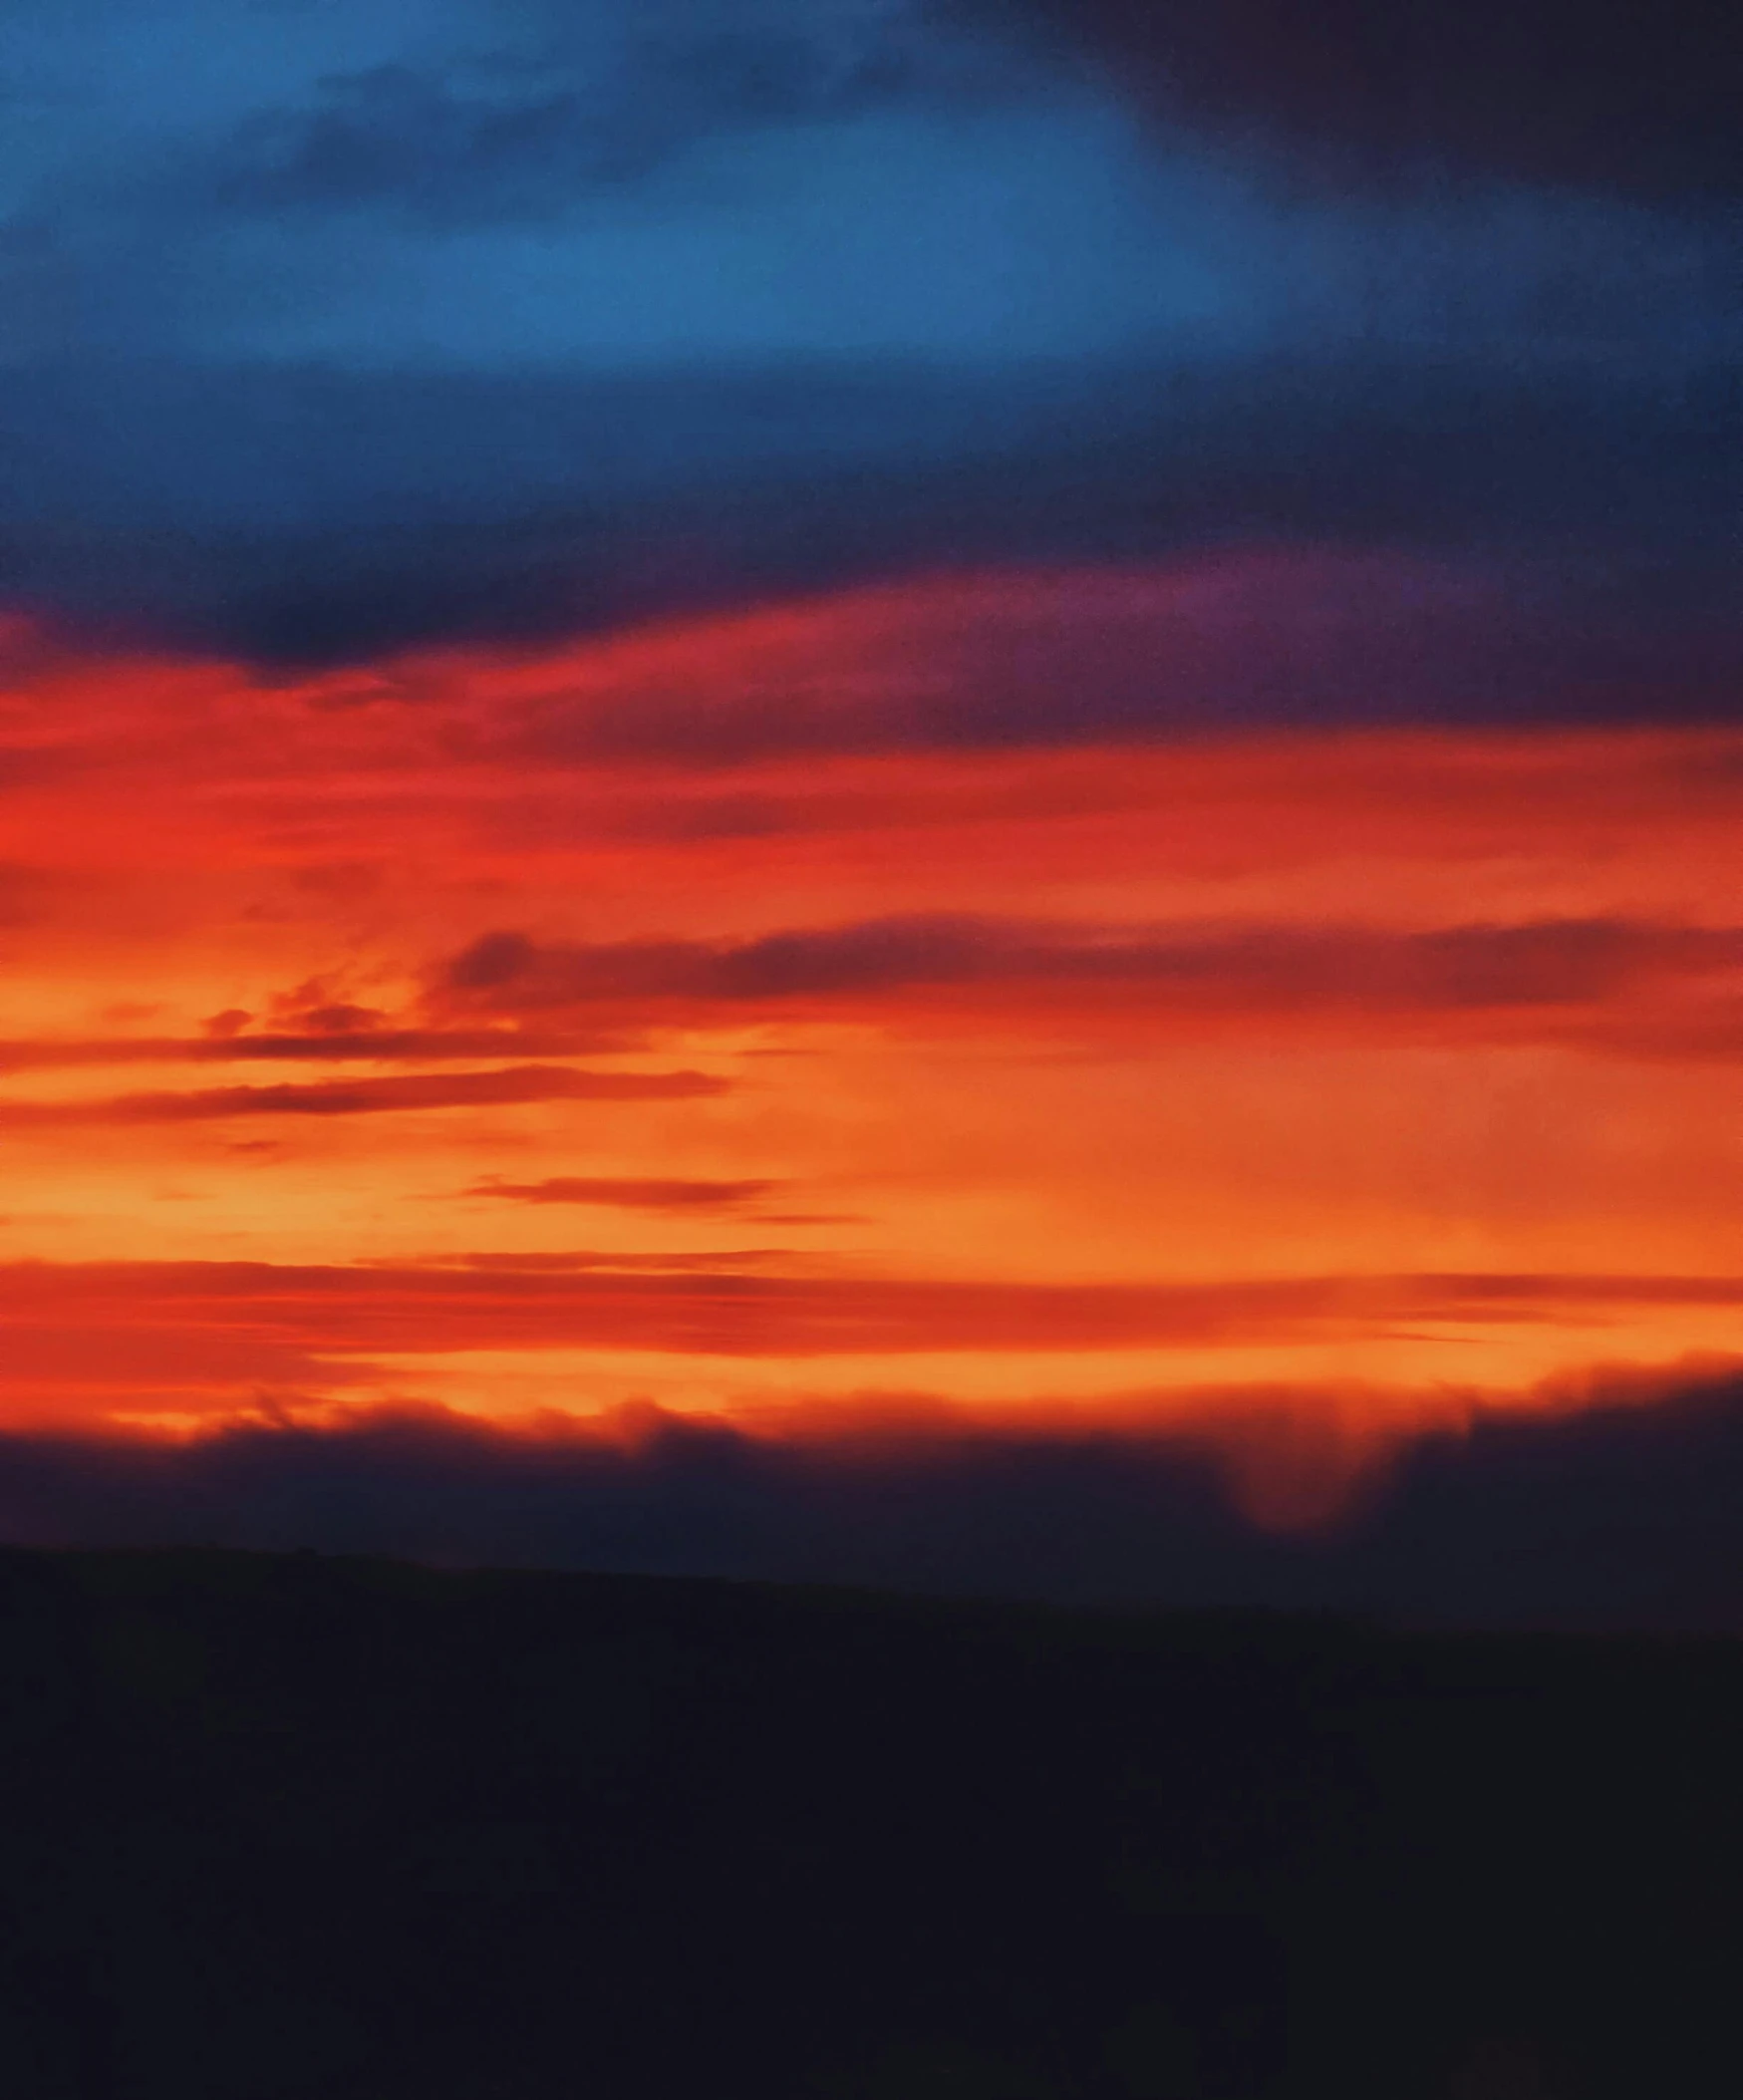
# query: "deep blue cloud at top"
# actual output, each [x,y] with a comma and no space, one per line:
[325,327]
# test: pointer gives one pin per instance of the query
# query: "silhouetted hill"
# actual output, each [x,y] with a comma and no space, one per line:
[286,1826]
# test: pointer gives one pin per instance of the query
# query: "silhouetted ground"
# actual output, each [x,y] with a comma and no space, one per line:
[286,1826]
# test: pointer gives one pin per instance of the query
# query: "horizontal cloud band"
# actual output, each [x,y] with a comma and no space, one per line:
[401,1308]
[517,1084]
[1555,968]
[1621,1517]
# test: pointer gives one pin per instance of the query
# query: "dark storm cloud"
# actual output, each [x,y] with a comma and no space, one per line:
[1623,1516]
[1633,97]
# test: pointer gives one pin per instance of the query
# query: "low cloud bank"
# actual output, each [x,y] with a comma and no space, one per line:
[1620,1516]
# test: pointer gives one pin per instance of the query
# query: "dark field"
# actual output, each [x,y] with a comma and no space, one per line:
[297,1826]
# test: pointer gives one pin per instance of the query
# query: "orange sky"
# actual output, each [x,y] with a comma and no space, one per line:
[682,1016]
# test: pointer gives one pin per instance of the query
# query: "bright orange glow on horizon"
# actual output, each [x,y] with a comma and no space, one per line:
[687,1018]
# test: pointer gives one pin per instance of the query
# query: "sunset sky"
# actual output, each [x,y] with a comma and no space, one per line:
[907,726]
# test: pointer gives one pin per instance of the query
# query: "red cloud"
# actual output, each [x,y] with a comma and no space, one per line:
[398,1045]
[466,1089]
[436,1307]
[1554,967]
[645,1194]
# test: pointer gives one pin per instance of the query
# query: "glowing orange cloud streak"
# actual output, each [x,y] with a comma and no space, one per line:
[1080,1056]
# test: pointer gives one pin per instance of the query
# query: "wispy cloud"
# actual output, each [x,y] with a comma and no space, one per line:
[631,1194]
[374,1096]
[377,1046]
[530,133]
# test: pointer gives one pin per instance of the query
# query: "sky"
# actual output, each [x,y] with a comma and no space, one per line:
[939,791]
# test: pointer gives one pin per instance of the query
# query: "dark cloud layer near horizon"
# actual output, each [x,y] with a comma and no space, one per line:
[1623,1516]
